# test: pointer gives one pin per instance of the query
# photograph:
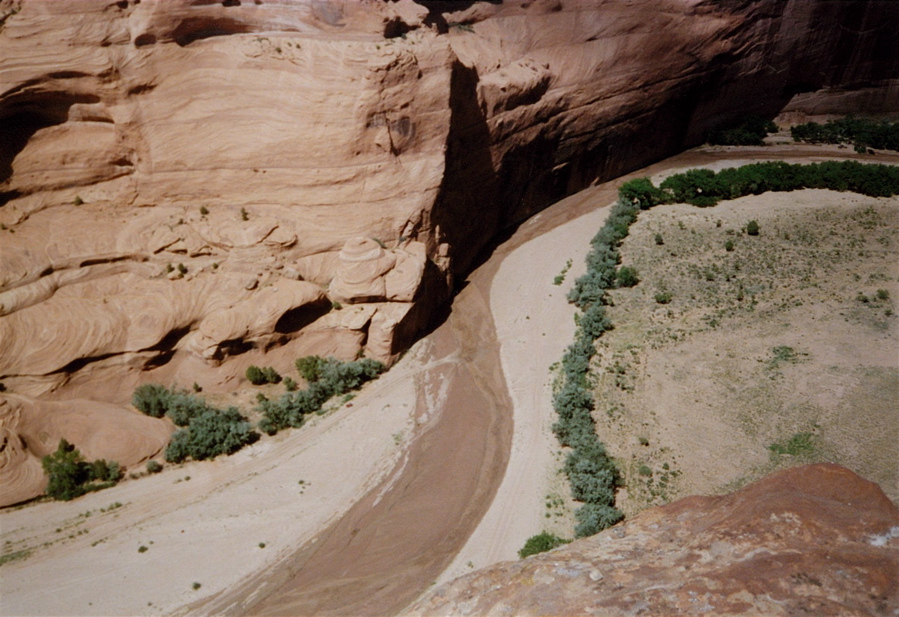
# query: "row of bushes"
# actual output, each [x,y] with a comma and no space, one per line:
[861,132]
[207,431]
[326,377]
[704,187]
[591,472]
[70,476]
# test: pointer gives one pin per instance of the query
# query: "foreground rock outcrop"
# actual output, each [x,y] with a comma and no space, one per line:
[815,540]
[187,186]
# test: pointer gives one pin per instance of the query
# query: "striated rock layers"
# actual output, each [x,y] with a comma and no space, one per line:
[189,184]
[816,540]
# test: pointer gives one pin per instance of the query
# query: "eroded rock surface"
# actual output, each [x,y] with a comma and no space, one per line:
[184,182]
[808,540]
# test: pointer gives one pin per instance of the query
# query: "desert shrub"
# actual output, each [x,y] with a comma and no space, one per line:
[70,476]
[864,133]
[209,434]
[151,398]
[259,376]
[663,297]
[154,466]
[309,367]
[327,377]
[254,375]
[752,228]
[627,277]
[642,193]
[540,543]
[729,246]
[659,240]
[748,131]
[593,518]
[182,407]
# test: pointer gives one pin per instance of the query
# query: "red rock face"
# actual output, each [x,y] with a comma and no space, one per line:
[167,167]
[815,540]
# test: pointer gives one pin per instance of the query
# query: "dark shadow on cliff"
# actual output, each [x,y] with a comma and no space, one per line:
[24,115]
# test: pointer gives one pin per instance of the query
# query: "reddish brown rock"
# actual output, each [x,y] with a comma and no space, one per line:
[814,540]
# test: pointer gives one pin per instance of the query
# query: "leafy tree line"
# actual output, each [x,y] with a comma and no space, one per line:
[70,476]
[592,474]
[863,133]
[704,187]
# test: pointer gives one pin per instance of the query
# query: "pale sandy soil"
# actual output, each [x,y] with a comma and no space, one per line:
[534,325]
[368,486]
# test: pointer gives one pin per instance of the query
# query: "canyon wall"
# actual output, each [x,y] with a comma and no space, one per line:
[190,186]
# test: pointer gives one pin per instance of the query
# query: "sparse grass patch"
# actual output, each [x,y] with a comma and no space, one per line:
[800,444]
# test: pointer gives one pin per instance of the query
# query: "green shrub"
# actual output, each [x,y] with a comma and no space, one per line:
[152,399]
[310,367]
[748,131]
[862,132]
[540,543]
[729,246]
[752,228]
[883,294]
[153,466]
[593,518]
[627,277]
[259,376]
[659,240]
[182,407]
[327,377]
[641,192]
[255,376]
[271,375]
[70,476]
[209,434]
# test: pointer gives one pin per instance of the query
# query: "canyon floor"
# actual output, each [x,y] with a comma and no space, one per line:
[426,474]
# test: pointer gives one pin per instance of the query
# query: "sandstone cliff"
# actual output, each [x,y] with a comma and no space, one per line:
[188,184]
[809,540]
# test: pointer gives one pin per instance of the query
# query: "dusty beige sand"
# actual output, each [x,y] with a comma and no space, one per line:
[230,506]
[207,529]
